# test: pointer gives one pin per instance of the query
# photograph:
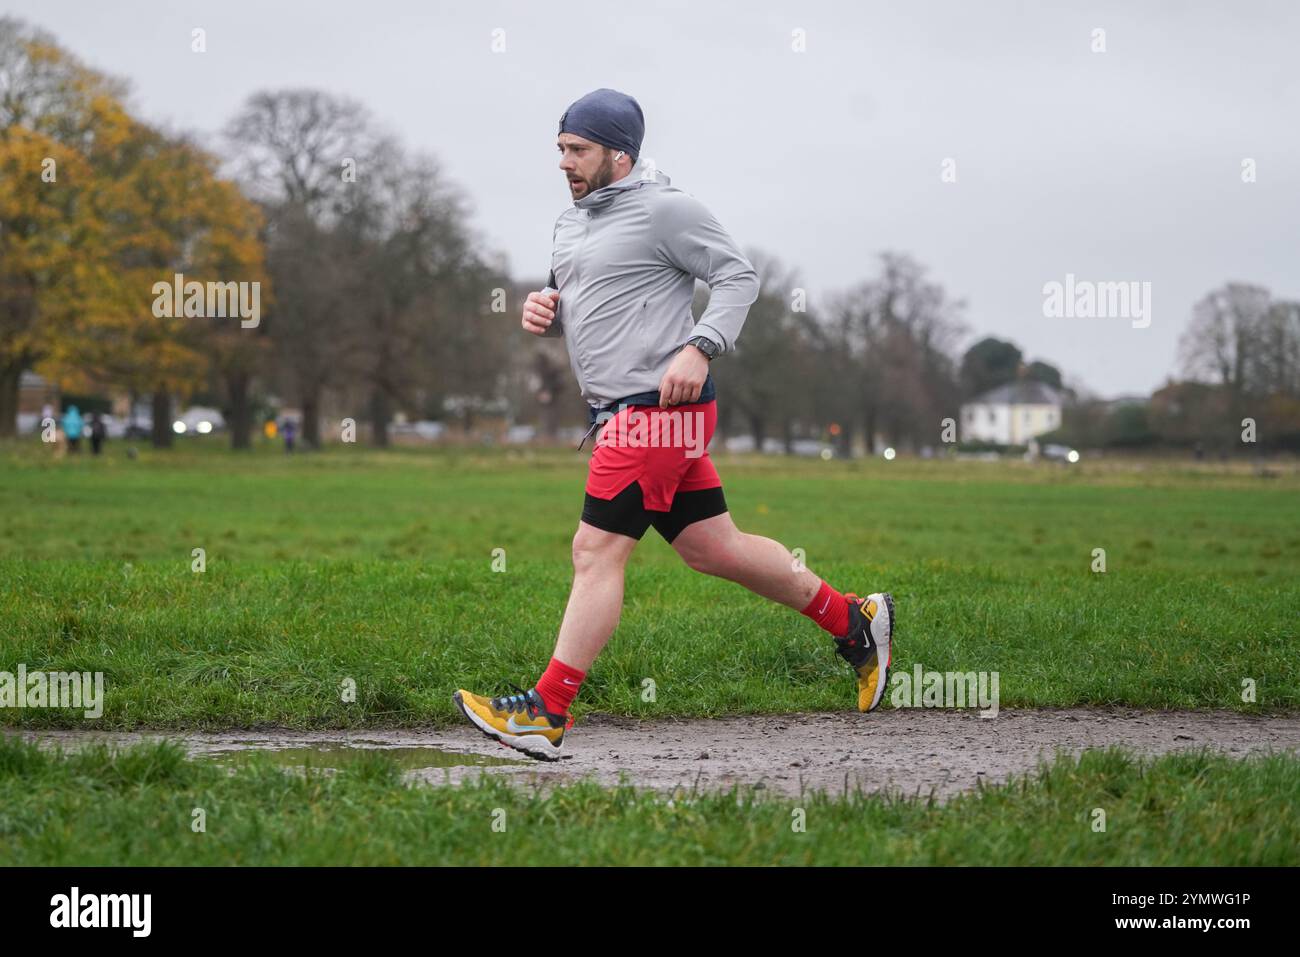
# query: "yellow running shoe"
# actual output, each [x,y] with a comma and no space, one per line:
[869,645]
[518,721]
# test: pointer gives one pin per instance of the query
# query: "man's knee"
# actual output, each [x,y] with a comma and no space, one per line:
[594,547]
[586,547]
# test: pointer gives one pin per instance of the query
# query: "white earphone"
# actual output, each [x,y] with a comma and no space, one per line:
[618,155]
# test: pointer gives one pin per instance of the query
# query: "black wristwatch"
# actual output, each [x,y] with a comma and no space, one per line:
[707,346]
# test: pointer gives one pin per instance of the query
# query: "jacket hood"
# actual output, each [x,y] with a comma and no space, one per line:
[643,171]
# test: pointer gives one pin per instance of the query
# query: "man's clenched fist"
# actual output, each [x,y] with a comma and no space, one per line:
[684,380]
[539,311]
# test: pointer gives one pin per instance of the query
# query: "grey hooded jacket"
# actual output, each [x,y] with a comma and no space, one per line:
[625,259]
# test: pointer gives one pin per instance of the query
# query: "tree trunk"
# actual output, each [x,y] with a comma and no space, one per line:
[241,410]
[161,436]
[551,383]
[787,431]
[550,418]
[845,439]
[725,419]
[757,428]
[311,417]
[379,416]
[10,377]
[130,412]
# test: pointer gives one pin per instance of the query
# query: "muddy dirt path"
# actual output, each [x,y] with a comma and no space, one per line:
[908,751]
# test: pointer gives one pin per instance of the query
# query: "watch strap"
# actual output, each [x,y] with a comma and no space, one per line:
[705,345]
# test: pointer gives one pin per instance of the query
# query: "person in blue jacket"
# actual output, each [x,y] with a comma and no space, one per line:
[72,427]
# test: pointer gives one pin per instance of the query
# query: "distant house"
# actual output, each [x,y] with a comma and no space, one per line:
[34,392]
[34,395]
[1011,414]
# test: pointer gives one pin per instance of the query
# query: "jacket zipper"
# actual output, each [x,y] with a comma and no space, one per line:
[577,282]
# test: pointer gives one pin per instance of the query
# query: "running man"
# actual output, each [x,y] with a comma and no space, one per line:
[625,259]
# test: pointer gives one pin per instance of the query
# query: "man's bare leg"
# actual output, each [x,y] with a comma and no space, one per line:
[863,628]
[596,598]
[534,721]
[716,546]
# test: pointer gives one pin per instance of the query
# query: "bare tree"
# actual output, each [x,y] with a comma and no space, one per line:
[1247,346]
[1273,366]
[301,153]
[1220,340]
[759,378]
[296,148]
[425,295]
[891,340]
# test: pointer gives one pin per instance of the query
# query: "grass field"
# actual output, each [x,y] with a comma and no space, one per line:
[378,567]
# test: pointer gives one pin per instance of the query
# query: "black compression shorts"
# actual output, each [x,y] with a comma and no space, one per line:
[626,514]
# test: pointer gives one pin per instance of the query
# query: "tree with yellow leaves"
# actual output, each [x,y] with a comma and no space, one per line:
[98,210]
[57,120]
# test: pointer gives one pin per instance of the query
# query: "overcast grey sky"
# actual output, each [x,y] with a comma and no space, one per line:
[1122,165]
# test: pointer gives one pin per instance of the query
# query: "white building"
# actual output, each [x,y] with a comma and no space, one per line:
[1011,414]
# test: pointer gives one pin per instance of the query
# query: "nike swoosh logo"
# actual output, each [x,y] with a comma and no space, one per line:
[522,729]
[569,682]
[825,606]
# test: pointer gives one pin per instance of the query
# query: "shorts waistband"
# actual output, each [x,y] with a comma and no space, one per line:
[708,393]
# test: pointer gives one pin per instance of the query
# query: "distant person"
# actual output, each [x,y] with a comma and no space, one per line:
[290,432]
[624,262]
[72,426]
[97,433]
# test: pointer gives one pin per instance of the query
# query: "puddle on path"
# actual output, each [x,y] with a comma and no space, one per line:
[328,751]
[340,757]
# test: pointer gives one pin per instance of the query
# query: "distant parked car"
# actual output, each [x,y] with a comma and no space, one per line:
[425,429]
[428,429]
[1060,453]
[745,443]
[115,427]
[812,448]
[199,420]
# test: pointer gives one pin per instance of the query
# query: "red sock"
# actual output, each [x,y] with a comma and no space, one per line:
[559,685]
[829,609]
